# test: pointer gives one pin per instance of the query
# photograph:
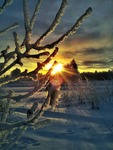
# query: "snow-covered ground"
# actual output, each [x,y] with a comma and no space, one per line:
[76,127]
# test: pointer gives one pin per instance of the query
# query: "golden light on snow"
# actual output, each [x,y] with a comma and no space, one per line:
[57,68]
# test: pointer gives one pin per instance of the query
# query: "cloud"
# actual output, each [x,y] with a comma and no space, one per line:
[68,54]
[93,51]
[93,62]
[97,64]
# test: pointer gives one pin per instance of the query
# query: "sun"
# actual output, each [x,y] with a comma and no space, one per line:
[57,68]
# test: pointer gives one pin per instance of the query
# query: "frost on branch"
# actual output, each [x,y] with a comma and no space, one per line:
[5,4]
[2,8]
[8,28]
[67,34]
[55,22]
[15,58]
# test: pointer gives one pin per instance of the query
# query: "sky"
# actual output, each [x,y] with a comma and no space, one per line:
[91,46]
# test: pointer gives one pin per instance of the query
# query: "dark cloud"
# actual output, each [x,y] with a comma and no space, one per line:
[93,51]
[97,64]
[90,51]
[94,62]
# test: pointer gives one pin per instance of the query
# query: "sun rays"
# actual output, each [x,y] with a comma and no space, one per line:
[57,68]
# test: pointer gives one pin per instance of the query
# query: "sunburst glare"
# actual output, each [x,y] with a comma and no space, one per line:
[57,68]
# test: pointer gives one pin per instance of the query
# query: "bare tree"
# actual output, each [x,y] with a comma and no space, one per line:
[16,57]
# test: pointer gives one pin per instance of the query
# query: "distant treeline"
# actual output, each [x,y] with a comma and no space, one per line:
[108,75]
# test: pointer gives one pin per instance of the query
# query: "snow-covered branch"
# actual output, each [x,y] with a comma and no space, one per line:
[67,34]
[55,22]
[34,16]
[9,28]
[26,15]
[38,86]
[5,4]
